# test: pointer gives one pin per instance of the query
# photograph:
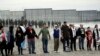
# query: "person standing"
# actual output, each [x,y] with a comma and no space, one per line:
[10,42]
[19,39]
[81,34]
[56,35]
[45,33]
[73,37]
[89,36]
[95,36]
[3,41]
[65,31]
[31,34]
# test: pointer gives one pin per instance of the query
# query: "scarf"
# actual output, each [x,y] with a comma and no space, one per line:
[96,32]
[74,32]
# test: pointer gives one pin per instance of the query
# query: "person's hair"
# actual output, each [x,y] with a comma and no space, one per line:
[96,25]
[65,22]
[88,27]
[1,27]
[11,29]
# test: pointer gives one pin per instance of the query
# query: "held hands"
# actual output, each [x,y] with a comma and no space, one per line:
[19,34]
[49,38]
[62,37]
[37,37]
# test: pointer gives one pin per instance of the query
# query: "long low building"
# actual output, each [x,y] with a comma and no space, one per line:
[47,14]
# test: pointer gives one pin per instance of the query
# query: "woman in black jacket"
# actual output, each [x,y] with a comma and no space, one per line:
[73,37]
[19,39]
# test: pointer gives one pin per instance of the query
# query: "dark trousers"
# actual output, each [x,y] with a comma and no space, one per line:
[94,44]
[81,43]
[31,45]
[45,45]
[3,52]
[10,51]
[10,46]
[73,44]
[3,48]
[56,44]
[20,50]
[64,44]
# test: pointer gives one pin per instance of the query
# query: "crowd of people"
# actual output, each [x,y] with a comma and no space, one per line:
[69,35]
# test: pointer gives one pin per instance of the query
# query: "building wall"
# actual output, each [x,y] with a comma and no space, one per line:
[38,14]
[71,16]
[16,15]
[4,14]
[47,14]
[58,15]
[65,15]
[98,16]
[89,15]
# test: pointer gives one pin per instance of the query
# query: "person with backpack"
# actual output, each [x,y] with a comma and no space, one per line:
[20,37]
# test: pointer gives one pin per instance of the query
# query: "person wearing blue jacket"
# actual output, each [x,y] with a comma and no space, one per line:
[56,38]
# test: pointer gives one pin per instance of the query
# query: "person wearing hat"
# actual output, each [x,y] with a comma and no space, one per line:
[56,36]
[31,34]
[45,33]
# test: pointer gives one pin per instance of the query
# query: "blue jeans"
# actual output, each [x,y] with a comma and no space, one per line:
[81,43]
[45,44]
[31,45]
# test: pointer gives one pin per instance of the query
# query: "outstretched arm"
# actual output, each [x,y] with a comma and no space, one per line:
[49,35]
[35,34]
[39,33]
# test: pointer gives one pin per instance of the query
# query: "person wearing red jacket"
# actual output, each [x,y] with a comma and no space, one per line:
[89,36]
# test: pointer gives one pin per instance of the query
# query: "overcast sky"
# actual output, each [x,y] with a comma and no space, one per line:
[54,4]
